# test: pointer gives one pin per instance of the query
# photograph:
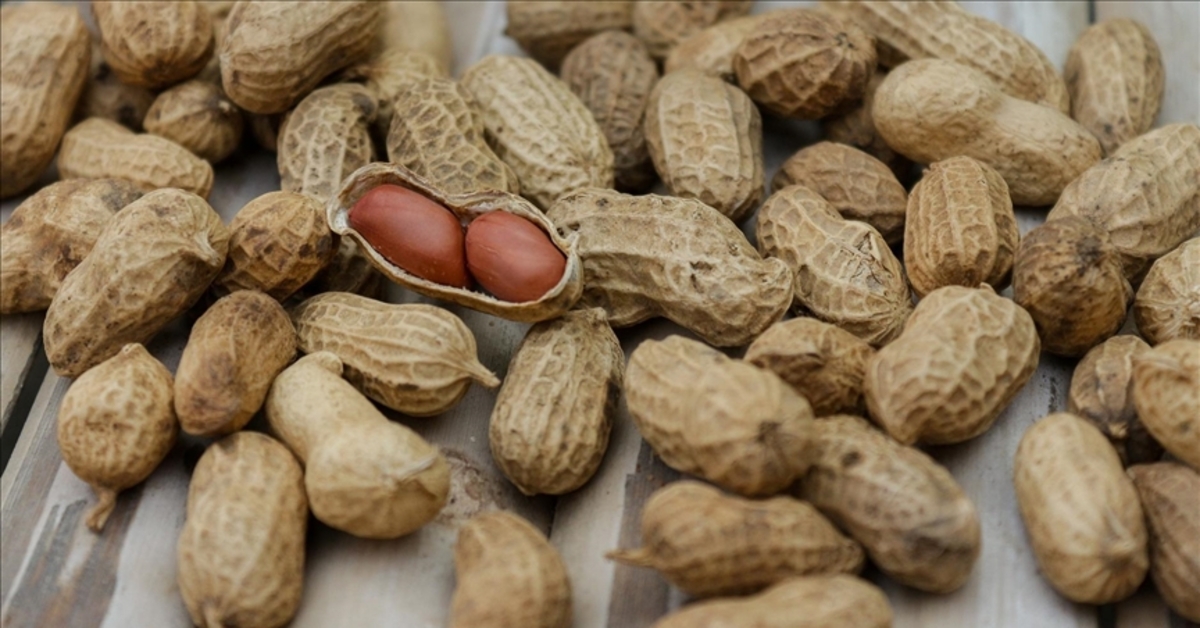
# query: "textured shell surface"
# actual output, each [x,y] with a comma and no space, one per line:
[548,31]
[551,422]
[419,26]
[438,133]
[821,361]
[275,53]
[705,138]
[723,420]
[711,544]
[116,425]
[509,576]
[388,75]
[154,260]
[199,117]
[241,551]
[154,44]
[97,148]
[1102,392]
[807,602]
[1146,195]
[859,186]
[613,74]
[712,50]
[1170,495]
[964,354]
[1167,305]
[1166,393]
[844,272]
[327,137]
[960,227]
[664,24]
[1116,79]
[911,516]
[415,358]
[539,128]
[49,233]
[36,105]
[647,256]
[1081,511]
[105,96]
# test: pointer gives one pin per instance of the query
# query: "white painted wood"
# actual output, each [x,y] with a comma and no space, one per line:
[1176,28]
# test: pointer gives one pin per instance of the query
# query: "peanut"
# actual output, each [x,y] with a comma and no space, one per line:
[241,551]
[710,544]
[199,117]
[236,348]
[822,362]
[929,110]
[1102,392]
[550,425]
[154,260]
[512,258]
[1166,393]
[363,474]
[275,53]
[116,425]
[662,25]
[97,148]
[911,517]
[1115,76]
[808,602]
[1167,305]
[728,422]
[1080,510]
[845,274]
[50,233]
[390,75]
[710,280]
[327,137]
[45,51]
[856,127]
[414,233]
[154,44]
[415,358]
[612,73]
[856,184]
[549,30]
[509,576]
[712,50]
[705,138]
[1170,496]
[539,128]
[960,228]
[416,26]
[105,96]
[1067,275]
[349,270]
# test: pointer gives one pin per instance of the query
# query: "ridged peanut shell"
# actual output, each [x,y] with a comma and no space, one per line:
[241,551]
[437,132]
[363,474]
[662,25]
[235,350]
[348,271]
[1166,393]
[845,274]
[710,544]
[1115,76]
[44,56]
[389,75]
[98,149]
[274,53]
[1068,276]
[822,362]
[723,420]
[509,576]
[962,357]
[105,96]
[856,127]
[151,263]
[648,256]
[808,602]
[705,138]
[929,110]
[551,422]
[417,26]
[1081,512]
[154,44]
[857,185]
[548,30]
[539,128]
[1170,496]
[960,229]
[613,74]
[327,137]
[1167,305]
[116,425]
[466,207]
[49,233]
[1146,195]
[199,117]
[910,515]
[712,50]
[1102,392]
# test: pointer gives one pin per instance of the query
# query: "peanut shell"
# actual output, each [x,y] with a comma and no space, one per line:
[199,117]
[349,270]
[662,25]
[417,26]
[549,30]
[327,137]
[388,75]
[822,362]
[1170,496]
[1166,393]
[856,127]
[1167,305]
[1102,392]
[712,50]
[808,602]
[154,44]
[97,149]
[105,96]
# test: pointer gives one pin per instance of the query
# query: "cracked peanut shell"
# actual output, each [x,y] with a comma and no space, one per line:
[327,137]
[1167,305]
[97,149]
[1166,393]
[822,362]
[1170,496]
[1102,392]
[549,30]
[807,602]
[663,25]
[154,44]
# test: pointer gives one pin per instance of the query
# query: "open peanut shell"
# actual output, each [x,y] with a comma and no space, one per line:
[467,207]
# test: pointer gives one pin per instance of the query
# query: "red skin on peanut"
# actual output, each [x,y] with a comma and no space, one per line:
[414,233]
[512,258]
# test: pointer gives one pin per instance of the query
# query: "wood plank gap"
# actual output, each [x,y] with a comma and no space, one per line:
[18,413]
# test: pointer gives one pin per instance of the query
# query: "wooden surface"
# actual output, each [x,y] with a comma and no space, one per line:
[53,572]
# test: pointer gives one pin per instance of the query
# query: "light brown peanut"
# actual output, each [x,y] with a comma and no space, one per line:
[549,30]
[417,26]
[1167,305]
[154,44]
[390,75]
[822,362]
[105,96]
[662,25]
[1166,393]
[1102,392]
[808,602]
[1170,496]
[199,117]
[1081,512]
[97,148]
[856,127]
[327,137]
[712,50]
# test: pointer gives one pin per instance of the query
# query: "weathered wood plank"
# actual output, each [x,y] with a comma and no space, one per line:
[20,344]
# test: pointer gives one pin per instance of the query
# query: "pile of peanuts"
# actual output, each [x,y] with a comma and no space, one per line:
[520,190]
